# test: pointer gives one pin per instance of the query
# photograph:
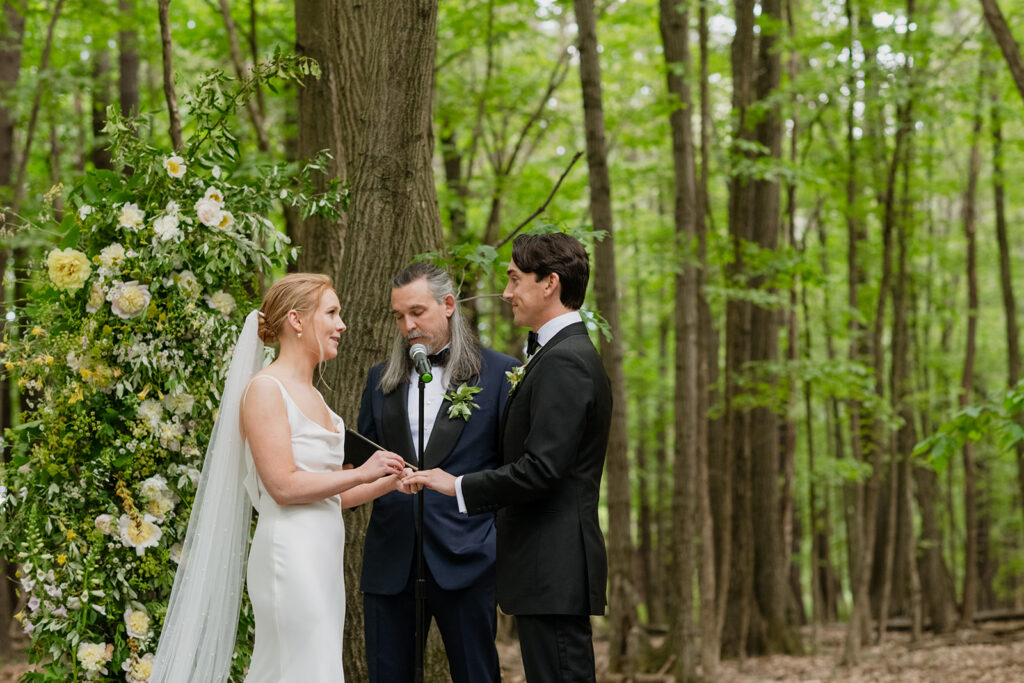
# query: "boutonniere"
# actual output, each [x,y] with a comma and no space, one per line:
[462,401]
[515,375]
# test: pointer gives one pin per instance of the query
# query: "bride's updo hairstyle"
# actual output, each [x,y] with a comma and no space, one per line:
[299,292]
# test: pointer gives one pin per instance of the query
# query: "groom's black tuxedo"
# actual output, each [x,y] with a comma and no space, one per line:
[551,556]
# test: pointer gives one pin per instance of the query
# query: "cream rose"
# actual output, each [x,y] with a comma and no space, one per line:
[94,656]
[112,256]
[129,299]
[69,268]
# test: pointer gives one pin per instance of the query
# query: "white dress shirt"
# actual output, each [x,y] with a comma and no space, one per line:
[545,334]
[433,397]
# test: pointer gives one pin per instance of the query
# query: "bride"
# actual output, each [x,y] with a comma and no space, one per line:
[276,440]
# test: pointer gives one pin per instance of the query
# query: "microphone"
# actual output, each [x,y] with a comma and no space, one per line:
[418,354]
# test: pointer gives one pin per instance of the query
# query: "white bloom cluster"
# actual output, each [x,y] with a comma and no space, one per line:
[211,212]
[131,216]
[160,500]
[94,657]
[222,302]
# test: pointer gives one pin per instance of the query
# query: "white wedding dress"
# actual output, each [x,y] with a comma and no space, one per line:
[296,576]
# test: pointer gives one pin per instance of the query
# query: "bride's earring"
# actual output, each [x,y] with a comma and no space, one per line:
[299,335]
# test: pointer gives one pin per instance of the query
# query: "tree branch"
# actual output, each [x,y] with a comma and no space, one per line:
[543,206]
[169,94]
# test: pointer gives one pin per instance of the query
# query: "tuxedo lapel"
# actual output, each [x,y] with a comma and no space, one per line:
[395,421]
[443,437]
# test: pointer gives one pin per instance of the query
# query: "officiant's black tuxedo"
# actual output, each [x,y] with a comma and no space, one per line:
[551,557]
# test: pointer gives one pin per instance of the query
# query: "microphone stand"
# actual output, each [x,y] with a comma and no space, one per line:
[421,580]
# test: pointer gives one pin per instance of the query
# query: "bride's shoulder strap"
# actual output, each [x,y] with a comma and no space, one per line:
[262,376]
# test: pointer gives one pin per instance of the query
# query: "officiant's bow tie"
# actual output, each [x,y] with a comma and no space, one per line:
[440,358]
[532,344]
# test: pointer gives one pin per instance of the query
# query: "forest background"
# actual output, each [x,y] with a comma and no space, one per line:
[804,262]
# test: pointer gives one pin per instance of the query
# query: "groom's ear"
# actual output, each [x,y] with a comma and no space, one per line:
[552,285]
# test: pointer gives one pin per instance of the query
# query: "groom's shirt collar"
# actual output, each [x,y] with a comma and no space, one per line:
[552,327]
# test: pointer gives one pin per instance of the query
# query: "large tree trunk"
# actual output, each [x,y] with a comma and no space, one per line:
[622,595]
[1005,272]
[372,111]
[970,585]
[674,23]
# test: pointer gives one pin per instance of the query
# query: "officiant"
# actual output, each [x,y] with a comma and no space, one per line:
[461,436]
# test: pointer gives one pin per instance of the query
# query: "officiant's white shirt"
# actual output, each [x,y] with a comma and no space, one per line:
[546,332]
[433,397]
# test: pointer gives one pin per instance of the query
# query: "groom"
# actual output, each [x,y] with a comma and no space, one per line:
[458,550]
[551,567]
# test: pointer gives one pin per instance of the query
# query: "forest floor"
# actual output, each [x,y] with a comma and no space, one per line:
[992,652]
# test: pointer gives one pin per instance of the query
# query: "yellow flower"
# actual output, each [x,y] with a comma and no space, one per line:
[4,347]
[62,558]
[71,535]
[9,365]
[175,166]
[69,269]
[38,331]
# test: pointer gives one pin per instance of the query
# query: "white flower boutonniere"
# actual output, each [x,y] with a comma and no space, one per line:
[462,401]
[515,375]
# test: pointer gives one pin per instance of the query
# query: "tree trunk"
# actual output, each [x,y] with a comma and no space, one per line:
[622,594]
[10,67]
[174,115]
[371,110]
[100,155]
[33,117]
[1005,272]
[128,59]
[675,29]
[1011,50]
[262,141]
[970,586]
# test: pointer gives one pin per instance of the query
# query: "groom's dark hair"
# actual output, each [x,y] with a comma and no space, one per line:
[555,253]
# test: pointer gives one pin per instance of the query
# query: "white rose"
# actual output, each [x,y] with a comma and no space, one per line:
[209,212]
[180,404]
[222,302]
[94,656]
[166,228]
[129,299]
[106,524]
[131,216]
[154,487]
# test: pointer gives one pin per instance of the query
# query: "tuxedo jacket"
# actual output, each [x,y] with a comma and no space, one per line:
[458,549]
[551,555]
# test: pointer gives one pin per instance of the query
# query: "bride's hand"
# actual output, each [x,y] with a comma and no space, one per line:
[381,464]
[403,486]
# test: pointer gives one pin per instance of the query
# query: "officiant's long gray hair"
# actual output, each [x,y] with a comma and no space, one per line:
[463,348]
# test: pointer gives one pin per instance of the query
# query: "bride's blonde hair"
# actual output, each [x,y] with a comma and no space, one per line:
[299,292]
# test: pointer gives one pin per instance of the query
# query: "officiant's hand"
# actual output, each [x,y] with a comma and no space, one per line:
[381,464]
[435,479]
[401,483]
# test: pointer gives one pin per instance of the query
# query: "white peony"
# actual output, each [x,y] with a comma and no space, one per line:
[139,669]
[136,622]
[131,216]
[129,299]
[175,166]
[209,212]
[166,228]
[226,220]
[94,656]
[154,487]
[180,404]
[215,194]
[221,302]
[151,412]
[138,534]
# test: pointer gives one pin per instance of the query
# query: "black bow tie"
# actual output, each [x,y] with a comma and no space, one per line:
[440,358]
[532,344]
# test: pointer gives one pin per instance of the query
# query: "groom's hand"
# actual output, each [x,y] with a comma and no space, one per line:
[435,479]
[401,483]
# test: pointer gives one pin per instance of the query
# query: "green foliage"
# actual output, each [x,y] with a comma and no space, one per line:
[119,353]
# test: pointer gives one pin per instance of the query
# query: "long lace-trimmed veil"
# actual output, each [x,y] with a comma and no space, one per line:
[198,636]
